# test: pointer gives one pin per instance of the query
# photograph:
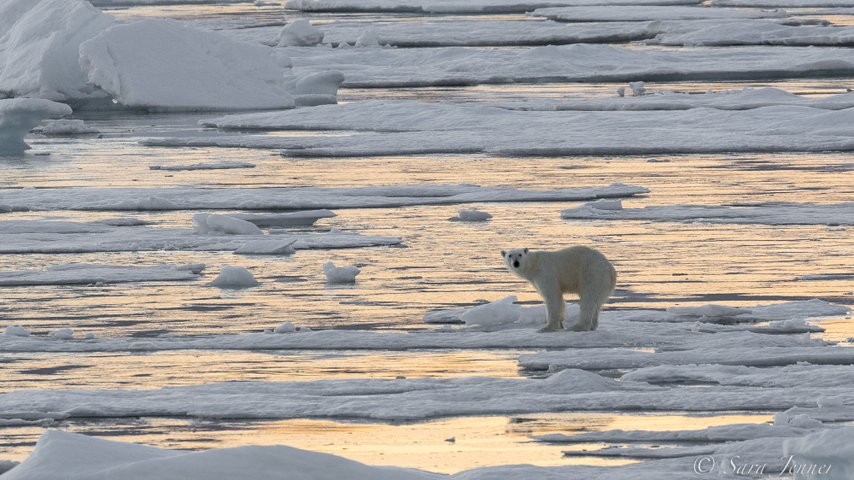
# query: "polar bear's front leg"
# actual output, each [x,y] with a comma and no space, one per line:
[555,307]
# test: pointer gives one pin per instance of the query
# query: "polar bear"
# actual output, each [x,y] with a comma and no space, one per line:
[578,269]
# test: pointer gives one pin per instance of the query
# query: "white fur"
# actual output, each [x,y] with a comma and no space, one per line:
[579,270]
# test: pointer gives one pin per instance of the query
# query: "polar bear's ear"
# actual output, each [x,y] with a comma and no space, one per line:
[503,253]
[526,250]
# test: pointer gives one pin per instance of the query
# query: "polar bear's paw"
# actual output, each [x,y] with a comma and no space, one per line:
[580,328]
[549,329]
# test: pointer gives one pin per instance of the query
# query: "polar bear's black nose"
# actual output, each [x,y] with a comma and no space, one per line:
[516,264]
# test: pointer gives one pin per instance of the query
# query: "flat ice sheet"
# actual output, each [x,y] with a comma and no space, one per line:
[401,127]
[635,13]
[389,67]
[457,6]
[768,214]
[84,274]
[296,198]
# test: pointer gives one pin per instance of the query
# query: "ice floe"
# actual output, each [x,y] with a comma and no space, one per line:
[448,66]
[750,32]
[717,434]
[471,215]
[19,115]
[295,198]
[65,127]
[457,6]
[16,331]
[340,275]
[290,219]
[634,13]
[81,457]
[129,239]
[203,166]
[86,274]
[406,127]
[39,42]
[299,33]
[769,214]
[235,278]
[212,224]
[192,70]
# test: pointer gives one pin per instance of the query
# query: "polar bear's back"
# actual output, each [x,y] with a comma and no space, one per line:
[580,267]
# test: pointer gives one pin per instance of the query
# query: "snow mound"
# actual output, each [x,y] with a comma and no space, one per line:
[235,277]
[39,41]
[80,457]
[368,38]
[471,215]
[66,127]
[340,275]
[212,223]
[19,115]
[300,34]
[832,450]
[166,65]
[16,331]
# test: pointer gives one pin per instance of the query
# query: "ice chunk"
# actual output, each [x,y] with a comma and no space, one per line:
[318,88]
[709,311]
[291,219]
[212,223]
[491,7]
[638,89]
[472,215]
[16,331]
[286,327]
[498,313]
[235,278]
[85,274]
[62,334]
[166,65]
[65,127]
[39,41]
[339,275]
[19,115]
[606,204]
[368,38]
[300,33]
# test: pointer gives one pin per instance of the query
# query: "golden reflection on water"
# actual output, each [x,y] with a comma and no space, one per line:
[477,441]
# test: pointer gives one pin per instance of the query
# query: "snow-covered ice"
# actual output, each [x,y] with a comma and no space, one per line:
[448,66]
[294,198]
[191,70]
[65,127]
[16,331]
[459,128]
[340,275]
[62,334]
[213,224]
[39,42]
[235,277]
[770,214]
[634,13]
[267,247]
[19,115]
[457,6]
[290,219]
[300,33]
[86,274]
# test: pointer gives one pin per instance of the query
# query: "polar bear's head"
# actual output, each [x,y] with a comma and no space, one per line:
[515,259]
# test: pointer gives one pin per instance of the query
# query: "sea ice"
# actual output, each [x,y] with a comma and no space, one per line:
[19,115]
[287,327]
[235,278]
[340,275]
[472,215]
[300,33]
[86,274]
[770,214]
[457,6]
[290,219]
[16,331]
[635,13]
[203,166]
[213,224]
[191,70]
[65,127]
[62,334]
